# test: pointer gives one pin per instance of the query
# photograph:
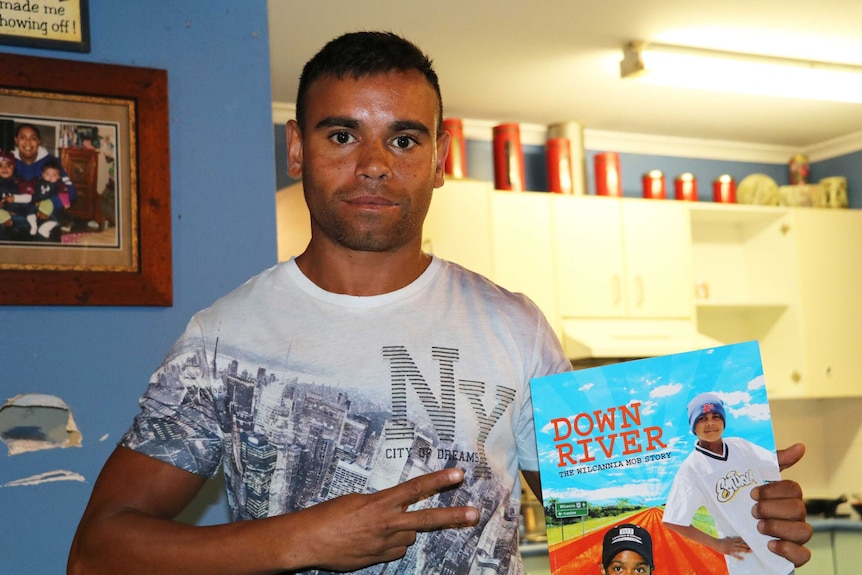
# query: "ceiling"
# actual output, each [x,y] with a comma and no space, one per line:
[549,61]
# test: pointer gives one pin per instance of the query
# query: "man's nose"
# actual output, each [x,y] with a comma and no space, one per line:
[375,161]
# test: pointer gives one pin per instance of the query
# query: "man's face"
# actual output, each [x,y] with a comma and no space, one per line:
[709,427]
[369,158]
[6,169]
[27,143]
[628,563]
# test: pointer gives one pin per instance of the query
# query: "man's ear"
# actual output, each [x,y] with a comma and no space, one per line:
[294,150]
[443,140]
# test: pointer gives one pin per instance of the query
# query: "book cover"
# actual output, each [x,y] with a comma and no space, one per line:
[653,461]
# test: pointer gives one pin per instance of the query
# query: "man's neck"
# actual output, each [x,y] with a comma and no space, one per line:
[362,273]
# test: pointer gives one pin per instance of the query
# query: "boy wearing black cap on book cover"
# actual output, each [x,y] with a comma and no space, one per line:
[627,549]
[719,475]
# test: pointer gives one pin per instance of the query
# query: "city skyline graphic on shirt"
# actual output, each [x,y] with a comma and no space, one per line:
[290,443]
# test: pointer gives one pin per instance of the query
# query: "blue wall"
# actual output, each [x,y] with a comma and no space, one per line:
[849,166]
[98,360]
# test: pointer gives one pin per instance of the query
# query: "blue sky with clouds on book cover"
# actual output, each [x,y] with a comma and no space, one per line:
[662,386]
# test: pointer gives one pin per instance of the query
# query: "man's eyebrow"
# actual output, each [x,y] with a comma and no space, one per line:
[353,124]
[410,126]
[338,122]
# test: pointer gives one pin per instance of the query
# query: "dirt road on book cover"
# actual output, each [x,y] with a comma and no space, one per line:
[581,554]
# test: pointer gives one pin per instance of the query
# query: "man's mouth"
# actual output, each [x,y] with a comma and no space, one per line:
[371,201]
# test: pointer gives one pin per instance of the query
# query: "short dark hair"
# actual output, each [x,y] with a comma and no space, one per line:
[28,125]
[360,54]
[52,164]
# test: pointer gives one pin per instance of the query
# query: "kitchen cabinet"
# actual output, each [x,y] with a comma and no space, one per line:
[745,281]
[458,225]
[786,277]
[845,545]
[828,246]
[293,223]
[834,549]
[742,255]
[822,561]
[522,247]
[622,258]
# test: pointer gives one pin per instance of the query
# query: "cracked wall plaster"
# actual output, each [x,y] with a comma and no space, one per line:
[34,421]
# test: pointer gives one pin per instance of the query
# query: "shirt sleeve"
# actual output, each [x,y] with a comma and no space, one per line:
[548,359]
[179,422]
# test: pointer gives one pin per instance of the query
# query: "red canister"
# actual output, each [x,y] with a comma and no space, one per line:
[558,153]
[685,187]
[609,181]
[799,169]
[456,161]
[724,190]
[508,158]
[654,185]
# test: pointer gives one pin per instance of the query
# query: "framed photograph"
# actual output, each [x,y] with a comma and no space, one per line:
[85,213]
[49,24]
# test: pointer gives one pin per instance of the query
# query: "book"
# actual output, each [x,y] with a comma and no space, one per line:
[619,454]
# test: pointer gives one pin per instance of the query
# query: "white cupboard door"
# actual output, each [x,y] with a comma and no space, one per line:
[521,247]
[830,281]
[292,222]
[458,225]
[589,262]
[657,248]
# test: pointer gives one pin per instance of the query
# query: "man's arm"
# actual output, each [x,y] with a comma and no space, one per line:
[128,526]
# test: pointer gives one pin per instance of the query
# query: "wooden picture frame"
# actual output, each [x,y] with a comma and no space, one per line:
[108,126]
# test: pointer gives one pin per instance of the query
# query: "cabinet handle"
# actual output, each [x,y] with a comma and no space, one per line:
[616,289]
[639,290]
[701,290]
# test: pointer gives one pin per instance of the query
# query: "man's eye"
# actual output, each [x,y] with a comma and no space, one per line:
[404,142]
[341,138]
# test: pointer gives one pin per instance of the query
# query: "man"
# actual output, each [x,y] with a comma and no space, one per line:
[369,404]
[702,480]
[31,158]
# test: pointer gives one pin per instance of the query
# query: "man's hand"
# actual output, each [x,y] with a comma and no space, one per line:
[782,512]
[355,531]
[136,497]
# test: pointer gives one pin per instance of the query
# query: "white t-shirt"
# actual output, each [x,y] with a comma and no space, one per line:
[301,395]
[723,483]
